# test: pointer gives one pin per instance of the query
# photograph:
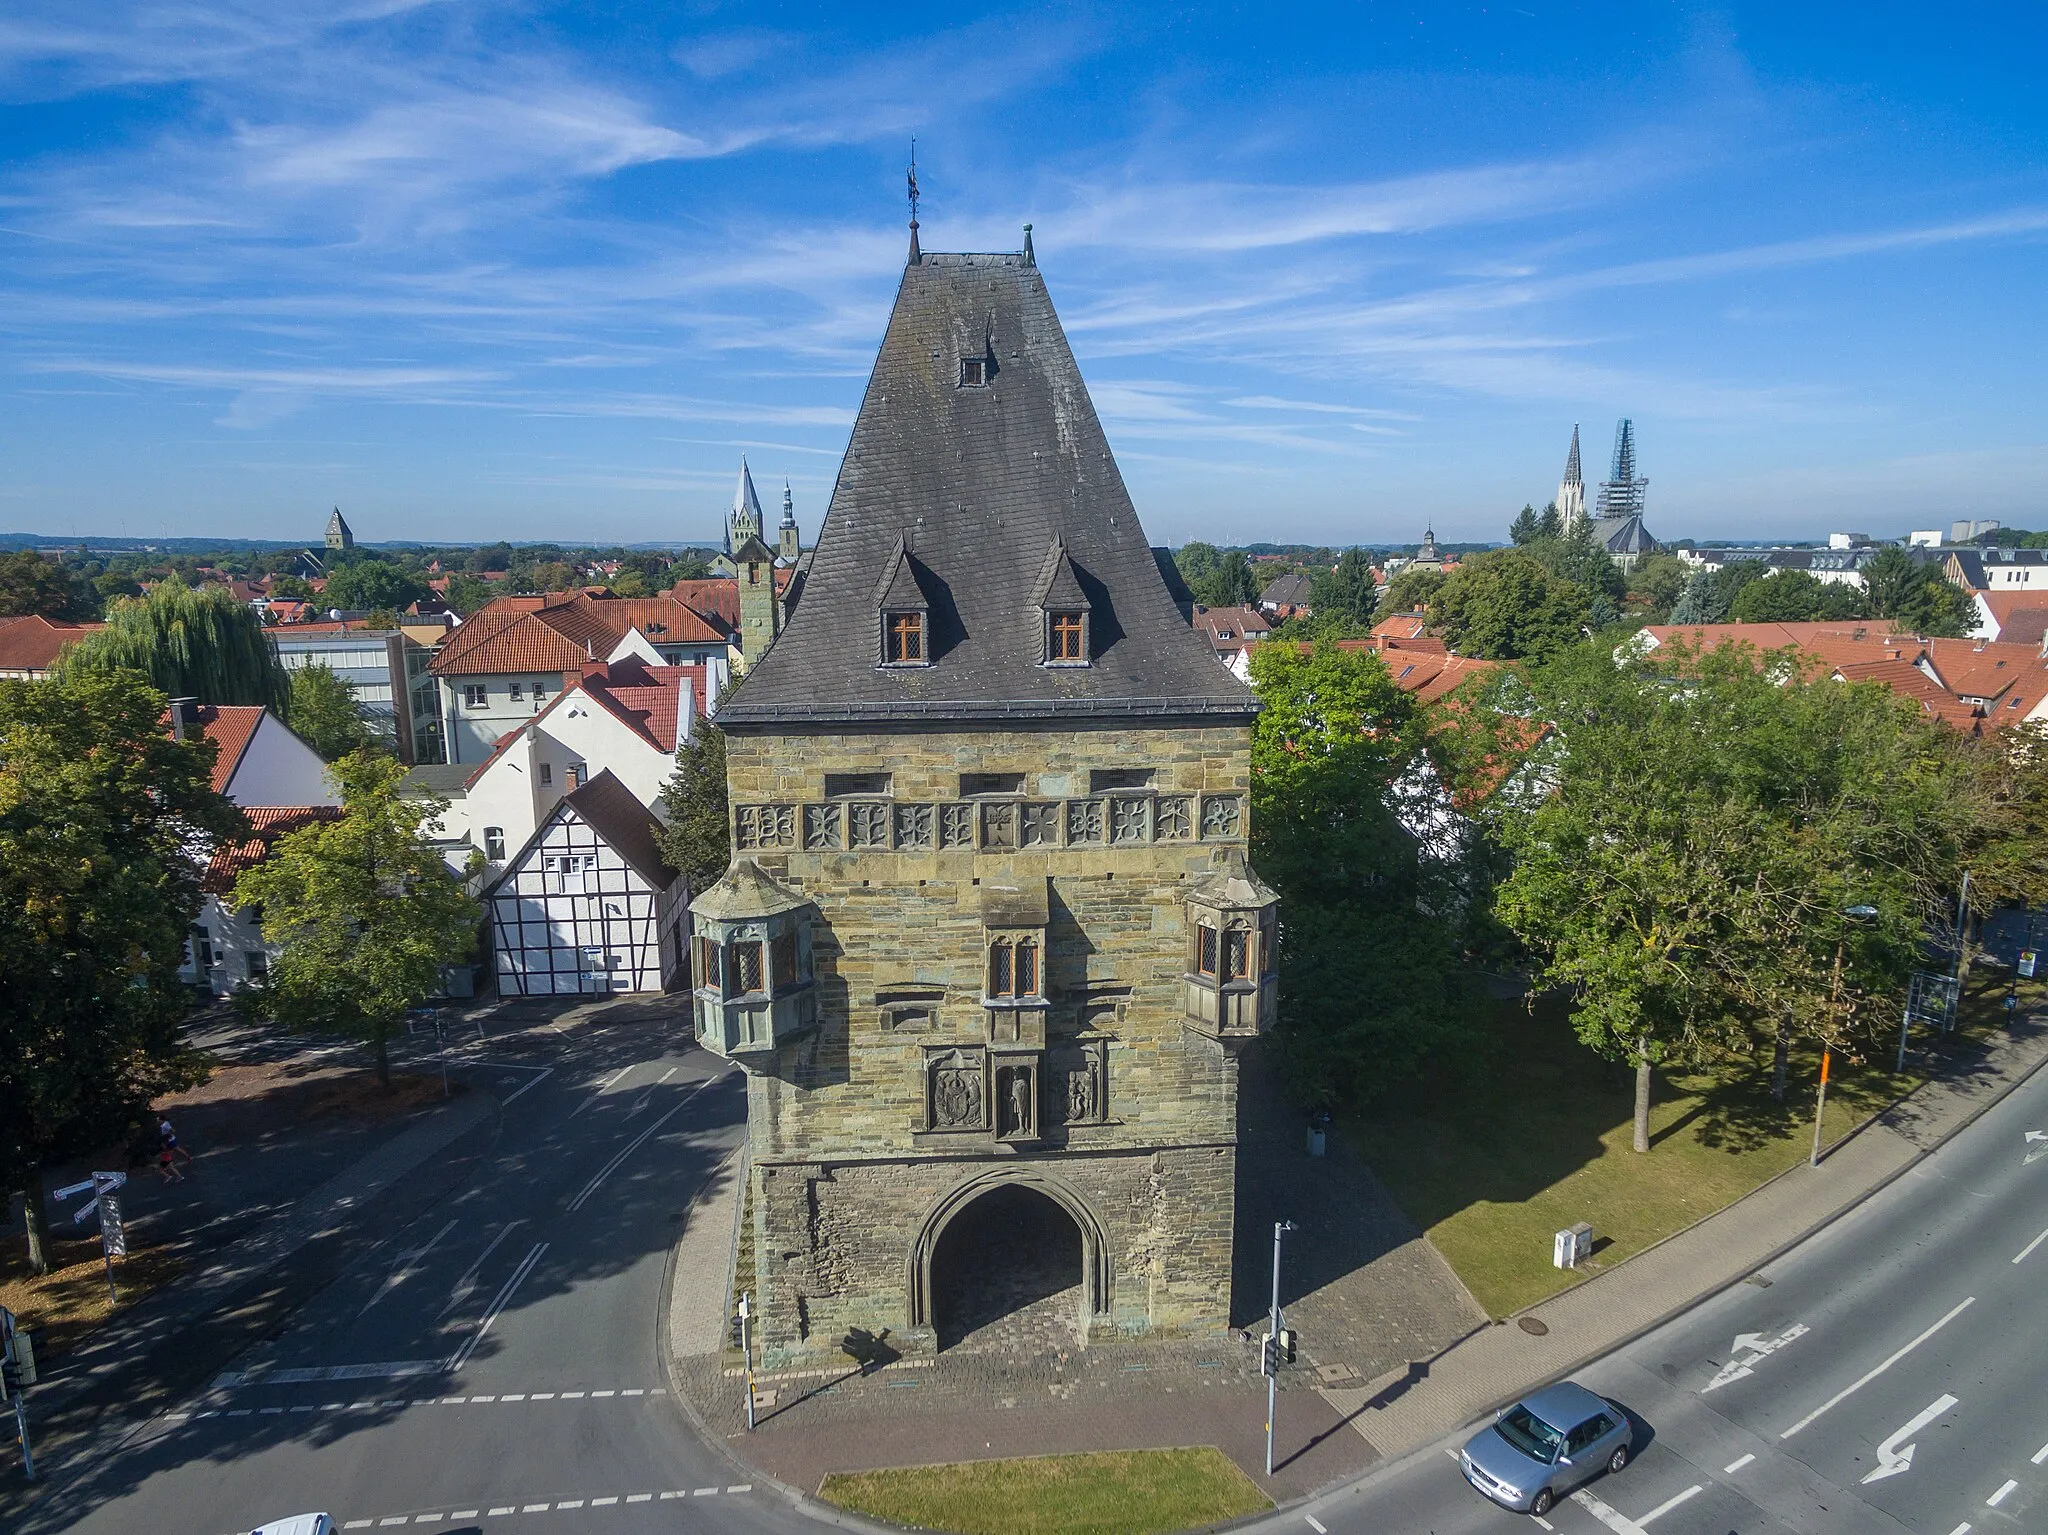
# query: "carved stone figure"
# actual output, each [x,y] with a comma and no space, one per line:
[956,1093]
[1081,1095]
[1017,1102]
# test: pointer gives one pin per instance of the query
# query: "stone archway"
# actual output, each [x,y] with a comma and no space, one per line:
[1008,1243]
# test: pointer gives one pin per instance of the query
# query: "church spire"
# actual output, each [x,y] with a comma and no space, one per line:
[744,520]
[1571,490]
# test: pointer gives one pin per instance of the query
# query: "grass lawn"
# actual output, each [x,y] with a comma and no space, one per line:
[1493,1158]
[1121,1492]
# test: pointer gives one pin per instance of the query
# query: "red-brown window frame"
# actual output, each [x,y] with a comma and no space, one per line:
[903,638]
[1066,636]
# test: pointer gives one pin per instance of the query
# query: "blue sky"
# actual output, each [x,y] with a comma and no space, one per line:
[531,270]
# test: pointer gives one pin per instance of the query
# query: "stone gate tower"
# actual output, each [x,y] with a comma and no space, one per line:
[989,940]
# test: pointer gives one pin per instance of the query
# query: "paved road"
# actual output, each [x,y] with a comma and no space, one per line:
[1896,1379]
[496,1362]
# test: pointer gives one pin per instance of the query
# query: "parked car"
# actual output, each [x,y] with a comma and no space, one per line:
[297,1524]
[1545,1445]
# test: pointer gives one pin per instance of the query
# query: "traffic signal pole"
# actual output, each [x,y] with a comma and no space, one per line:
[1269,1359]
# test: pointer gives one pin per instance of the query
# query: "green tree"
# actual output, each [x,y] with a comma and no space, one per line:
[370,584]
[689,566]
[697,836]
[324,712]
[1527,526]
[1342,599]
[1710,595]
[630,582]
[1231,582]
[467,594]
[1794,597]
[292,588]
[364,911]
[98,806]
[30,584]
[1505,605]
[1367,971]
[1915,596]
[114,583]
[1197,561]
[1411,591]
[1655,585]
[1578,558]
[203,644]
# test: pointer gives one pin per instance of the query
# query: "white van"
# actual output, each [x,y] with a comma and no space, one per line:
[297,1524]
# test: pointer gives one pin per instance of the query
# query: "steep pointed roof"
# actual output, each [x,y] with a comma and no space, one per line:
[976,480]
[1571,461]
[1057,585]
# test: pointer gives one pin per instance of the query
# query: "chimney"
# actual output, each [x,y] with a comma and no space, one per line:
[572,776]
[184,714]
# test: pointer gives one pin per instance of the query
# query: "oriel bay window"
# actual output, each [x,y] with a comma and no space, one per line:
[755,988]
[1232,925]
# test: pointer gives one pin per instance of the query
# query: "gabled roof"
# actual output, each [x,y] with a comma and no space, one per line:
[976,482]
[898,590]
[231,727]
[1289,591]
[31,644]
[267,823]
[560,633]
[1057,586]
[716,598]
[648,700]
[620,821]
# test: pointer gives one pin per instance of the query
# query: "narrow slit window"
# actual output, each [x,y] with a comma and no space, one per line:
[999,972]
[1236,954]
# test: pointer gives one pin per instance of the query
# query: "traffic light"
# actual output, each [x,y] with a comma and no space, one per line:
[10,1376]
[1269,1354]
[1287,1344]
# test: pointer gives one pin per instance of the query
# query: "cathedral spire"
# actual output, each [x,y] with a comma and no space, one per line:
[1571,490]
[744,520]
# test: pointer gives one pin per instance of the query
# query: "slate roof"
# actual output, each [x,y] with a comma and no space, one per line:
[977,482]
[1288,591]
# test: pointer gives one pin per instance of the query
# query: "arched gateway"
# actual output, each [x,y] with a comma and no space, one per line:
[1017,1248]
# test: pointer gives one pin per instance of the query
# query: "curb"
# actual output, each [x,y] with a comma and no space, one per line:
[1386,1465]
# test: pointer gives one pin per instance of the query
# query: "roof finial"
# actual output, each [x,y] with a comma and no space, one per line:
[916,255]
[1030,257]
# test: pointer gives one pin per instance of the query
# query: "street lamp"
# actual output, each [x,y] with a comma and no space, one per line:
[1858,914]
[1270,1351]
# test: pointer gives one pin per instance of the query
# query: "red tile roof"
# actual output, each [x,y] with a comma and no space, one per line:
[716,597]
[1403,626]
[560,631]
[231,727]
[647,699]
[31,644]
[267,823]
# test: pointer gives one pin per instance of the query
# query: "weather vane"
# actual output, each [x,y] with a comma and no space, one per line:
[913,183]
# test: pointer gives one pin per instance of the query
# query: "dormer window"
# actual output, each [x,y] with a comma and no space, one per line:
[903,639]
[974,373]
[1066,637]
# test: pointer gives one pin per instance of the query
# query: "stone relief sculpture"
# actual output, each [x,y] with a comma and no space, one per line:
[956,1092]
[1015,1082]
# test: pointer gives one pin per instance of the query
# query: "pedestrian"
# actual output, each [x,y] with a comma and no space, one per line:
[165,1168]
[169,1139]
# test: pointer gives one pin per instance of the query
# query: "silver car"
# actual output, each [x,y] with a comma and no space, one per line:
[1544,1446]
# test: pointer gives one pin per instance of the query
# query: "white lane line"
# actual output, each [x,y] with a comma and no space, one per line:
[1545,1523]
[703,1492]
[2040,1455]
[463,1513]
[639,1140]
[516,1398]
[1735,1466]
[602,1088]
[1316,1524]
[571,1503]
[602,1502]
[1669,1504]
[743,1487]
[496,1512]
[542,1396]
[407,1265]
[570,1396]
[1620,1523]
[467,1282]
[2043,1237]
[1961,1529]
[483,1399]
[639,1497]
[1848,1391]
[602,1393]
[545,1073]
[359,1524]
[2001,1495]
[461,1356]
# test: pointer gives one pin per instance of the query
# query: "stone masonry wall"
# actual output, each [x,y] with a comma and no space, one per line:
[847,1167]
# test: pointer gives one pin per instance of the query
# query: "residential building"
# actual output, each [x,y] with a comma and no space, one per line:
[29,646]
[624,717]
[1288,596]
[504,665]
[226,949]
[391,675]
[587,904]
[258,760]
[2014,617]
[1231,633]
[989,946]
[1998,570]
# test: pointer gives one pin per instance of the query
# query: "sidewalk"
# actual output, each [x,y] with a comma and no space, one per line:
[1432,1397]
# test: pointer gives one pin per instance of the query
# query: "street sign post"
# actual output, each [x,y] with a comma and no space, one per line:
[747,1348]
[18,1365]
[2029,959]
[107,1203]
[1270,1346]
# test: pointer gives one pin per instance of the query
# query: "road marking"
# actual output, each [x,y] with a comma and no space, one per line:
[601,1502]
[647,1092]
[1316,1524]
[271,1412]
[639,1497]
[463,1513]
[602,1088]
[467,1282]
[407,1265]
[2024,1251]
[743,1487]
[461,1356]
[571,1503]
[636,1391]
[1961,1529]
[603,1393]
[1669,1504]
[542,1396]
[2040,1455]
[1730,1470]
[613,1165]
[2001,1495]
[1848,1391]
[503,1399]
[483,1399]
[534,1508]
[494,1513]
[570,1396]
[2036,1152]
[1620,1523]
[429,1518]
[359,1524]
[401,1519]
[703,1492]
[1895,1455]
[1543,1521]
[1759,1347]
[545,1073]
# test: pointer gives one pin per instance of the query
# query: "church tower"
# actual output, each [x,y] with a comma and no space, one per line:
[744,520]
[339,535]
[788,546]
[1571,490]
[989,946]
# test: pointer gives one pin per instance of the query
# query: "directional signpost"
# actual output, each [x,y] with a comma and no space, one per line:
[18,1366]
[107,1202]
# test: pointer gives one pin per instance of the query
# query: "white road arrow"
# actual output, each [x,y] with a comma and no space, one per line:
[2034,1154]
[1893,1458]
[1756,1345]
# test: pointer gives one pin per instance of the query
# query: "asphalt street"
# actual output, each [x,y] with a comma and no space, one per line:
[497,1360]
[1887,1375]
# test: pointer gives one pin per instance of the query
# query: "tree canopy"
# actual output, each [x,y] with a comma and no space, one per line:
[1367,959]
[365,585]
[31,585]
[1794,597]
[364,910]
[323,710]
[97,893]
[205,644]
[696,836]
[1341,600]
[1507,604]
[1410,591]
